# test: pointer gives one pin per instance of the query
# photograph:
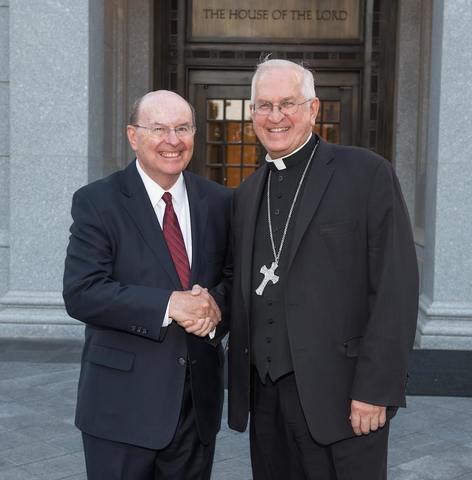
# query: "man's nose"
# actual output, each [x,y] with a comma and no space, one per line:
[276,115]
[171,137]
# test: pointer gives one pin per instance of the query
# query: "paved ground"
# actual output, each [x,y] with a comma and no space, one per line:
[431,440]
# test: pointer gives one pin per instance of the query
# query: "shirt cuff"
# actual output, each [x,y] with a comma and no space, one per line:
[212,334]
[167,320]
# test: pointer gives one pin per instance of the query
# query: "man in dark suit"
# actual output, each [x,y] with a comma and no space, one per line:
[324,295]
[151,385]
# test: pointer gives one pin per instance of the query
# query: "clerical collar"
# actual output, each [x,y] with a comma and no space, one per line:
[293,158]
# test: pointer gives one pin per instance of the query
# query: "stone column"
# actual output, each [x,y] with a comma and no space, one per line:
[56,145]
[406,98]
[4,146]
[445,320]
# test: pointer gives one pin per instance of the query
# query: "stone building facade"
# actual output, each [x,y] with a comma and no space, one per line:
[69,71]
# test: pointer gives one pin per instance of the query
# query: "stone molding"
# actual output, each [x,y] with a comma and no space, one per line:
[36,314]
[444,325]
[4,239]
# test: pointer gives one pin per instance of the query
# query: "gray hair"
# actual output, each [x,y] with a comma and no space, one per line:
[134,113]
[307,81]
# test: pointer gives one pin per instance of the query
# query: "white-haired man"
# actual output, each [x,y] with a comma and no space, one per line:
[324,296]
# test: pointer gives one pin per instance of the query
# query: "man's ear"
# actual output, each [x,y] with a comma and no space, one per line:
[315,106]
[131,132]
[252,113]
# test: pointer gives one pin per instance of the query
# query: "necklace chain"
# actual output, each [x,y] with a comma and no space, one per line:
[292,206]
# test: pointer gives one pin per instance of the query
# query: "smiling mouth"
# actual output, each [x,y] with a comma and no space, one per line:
[278,130]
[170,154]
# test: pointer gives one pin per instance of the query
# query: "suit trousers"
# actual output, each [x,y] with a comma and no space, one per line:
[283,448]
[185,458]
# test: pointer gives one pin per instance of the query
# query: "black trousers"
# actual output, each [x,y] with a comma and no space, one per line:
[185,458]
[282,447]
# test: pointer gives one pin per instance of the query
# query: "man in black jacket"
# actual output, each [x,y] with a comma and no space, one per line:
[324,296]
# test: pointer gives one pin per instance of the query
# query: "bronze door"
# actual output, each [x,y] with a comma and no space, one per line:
[226,148]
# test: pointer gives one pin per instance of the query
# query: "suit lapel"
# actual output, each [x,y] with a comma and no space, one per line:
[251,207]
[137,204]
[316,182]
[198,203]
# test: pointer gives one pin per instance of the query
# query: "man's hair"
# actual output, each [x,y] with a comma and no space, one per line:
[134,113]
[307,82]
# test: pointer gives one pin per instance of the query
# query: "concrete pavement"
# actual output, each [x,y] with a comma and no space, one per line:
[430,440]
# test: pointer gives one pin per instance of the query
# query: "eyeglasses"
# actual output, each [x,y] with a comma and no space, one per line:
[161,131]
[285,108]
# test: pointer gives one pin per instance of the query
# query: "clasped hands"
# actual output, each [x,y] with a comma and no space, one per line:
[195,310]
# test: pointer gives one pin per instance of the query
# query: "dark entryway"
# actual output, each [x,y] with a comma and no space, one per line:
[353,78]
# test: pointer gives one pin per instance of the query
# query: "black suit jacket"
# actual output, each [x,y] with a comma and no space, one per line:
[350,294]
[118,279]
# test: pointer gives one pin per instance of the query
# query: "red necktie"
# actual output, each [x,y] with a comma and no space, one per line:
[175,241]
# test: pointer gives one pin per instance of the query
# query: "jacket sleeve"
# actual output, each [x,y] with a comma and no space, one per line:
[222,295]
[91,293]
[381,370]
[223,291]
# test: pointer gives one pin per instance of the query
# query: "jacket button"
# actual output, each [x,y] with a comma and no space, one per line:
[246,351]
[182,361]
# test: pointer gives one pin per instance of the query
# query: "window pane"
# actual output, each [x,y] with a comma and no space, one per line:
[234,109]
[233,130]
[233,154]
[215,131]
[331,111]
[215,154]
[330,133]
[250,154]
[215,109]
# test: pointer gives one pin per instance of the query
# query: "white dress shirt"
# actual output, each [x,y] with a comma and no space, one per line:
[181,208]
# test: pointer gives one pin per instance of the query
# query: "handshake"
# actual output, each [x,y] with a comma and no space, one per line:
[195,310]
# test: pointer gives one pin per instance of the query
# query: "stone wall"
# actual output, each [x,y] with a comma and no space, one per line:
[64,81]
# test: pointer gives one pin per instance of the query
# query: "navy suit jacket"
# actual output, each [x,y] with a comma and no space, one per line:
[118,279]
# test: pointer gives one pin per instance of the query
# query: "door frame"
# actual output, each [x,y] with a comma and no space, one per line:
[209,77]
